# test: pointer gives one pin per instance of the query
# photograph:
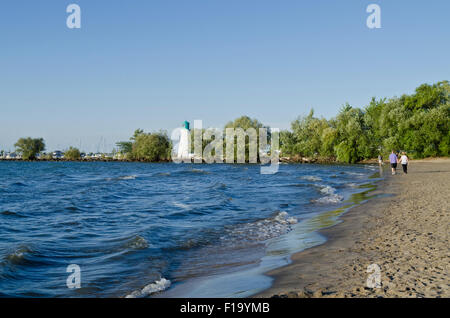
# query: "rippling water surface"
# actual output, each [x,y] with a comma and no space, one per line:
[136,229]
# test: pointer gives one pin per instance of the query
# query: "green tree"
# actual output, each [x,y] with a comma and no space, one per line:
[136,134]
[245,123]
[287,143]
[28,148]
[72,154]
[417,123]
[124,147]
[307,132]
[151,147]
[329,140]
[426,132]
[353,143]
[427,96]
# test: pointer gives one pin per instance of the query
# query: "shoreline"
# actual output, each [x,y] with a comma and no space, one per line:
[283,160]
[404,230]
[253,278]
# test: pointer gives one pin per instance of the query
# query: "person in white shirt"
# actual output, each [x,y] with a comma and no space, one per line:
[380,160]
[404,160]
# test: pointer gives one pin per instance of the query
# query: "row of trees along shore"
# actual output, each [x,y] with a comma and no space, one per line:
[416,123]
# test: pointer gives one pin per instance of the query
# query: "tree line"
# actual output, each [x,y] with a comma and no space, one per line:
[143,146]
[417,123]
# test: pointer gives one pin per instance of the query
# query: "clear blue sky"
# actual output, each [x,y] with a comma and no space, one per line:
[152,64]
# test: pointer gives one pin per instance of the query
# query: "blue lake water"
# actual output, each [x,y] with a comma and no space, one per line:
[170,230]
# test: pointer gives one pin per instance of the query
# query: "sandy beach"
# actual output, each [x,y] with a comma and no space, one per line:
[404,230]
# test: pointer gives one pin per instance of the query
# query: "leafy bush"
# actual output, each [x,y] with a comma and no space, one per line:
[72,154]
[29,147]
[151,146]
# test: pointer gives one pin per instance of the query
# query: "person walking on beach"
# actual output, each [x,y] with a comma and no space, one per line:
[380,159]
[393,159]
[404,160]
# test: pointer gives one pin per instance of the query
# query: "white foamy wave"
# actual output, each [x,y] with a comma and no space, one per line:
[150,289]
[357,174]
[259,231]
[311,178]
[181,205]
[283,218]
[328,190]
[353,185]
[122,178]
[331,196]
[127,178]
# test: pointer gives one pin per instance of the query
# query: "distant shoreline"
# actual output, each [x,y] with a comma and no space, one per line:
[83,160]
[291,161]
[294,160]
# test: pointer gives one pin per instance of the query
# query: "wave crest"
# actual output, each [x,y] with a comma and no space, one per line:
[311,178]
[260,231]
[131,177]
[18,255]
[331,195]
[138,243]
[150,289]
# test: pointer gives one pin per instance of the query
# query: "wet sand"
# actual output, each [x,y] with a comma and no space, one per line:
[405,231]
